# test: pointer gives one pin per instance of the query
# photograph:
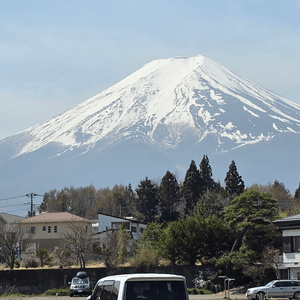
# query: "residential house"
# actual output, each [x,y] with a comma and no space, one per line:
[288,264]
[47,229]
[9,219]
[7,223]
[129,224]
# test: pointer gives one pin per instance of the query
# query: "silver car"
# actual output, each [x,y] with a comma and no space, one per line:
[276,289]
[80,285]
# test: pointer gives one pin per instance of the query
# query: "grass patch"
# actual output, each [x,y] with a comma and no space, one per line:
[16,295]
[196,291]
[58,292]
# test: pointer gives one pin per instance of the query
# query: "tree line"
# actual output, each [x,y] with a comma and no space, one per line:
[163,201]
[196,220]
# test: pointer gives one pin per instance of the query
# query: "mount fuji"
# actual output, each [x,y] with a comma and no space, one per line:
[159,118]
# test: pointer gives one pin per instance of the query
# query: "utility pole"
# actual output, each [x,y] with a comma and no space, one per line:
[32,195]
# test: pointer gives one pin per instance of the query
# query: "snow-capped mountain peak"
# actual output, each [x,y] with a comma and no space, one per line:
[167,99]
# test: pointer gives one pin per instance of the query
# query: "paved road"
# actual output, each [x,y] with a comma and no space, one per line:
[219,296]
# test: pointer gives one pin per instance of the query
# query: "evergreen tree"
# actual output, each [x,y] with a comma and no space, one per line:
[234,185]
[297,196]
[211,203]
[123,199]
[297,192]
[282,195]
[147,199]
[251,210]
[169,198]
[250,216]
[196,238]
[192,187]
[206,174]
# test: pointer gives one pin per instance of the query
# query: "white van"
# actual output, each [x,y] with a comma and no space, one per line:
[141,286]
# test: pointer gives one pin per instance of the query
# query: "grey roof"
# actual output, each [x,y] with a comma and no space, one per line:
[288,219]
[10,218]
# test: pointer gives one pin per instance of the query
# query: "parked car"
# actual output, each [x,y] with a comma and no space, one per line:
[276,289]
[141,286]
[80,284]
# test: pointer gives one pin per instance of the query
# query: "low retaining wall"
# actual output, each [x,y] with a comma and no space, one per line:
[39,281]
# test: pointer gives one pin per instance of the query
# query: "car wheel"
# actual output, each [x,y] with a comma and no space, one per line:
[71,295]
[260,296]
[297,295]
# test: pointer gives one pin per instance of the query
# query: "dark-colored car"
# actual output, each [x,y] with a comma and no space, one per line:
[80,284]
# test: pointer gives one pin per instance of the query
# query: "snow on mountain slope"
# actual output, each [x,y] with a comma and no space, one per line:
[165,101]
[157,119]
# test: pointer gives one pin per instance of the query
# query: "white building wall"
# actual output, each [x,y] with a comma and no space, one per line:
[291,261]
[105,222]
[291,232]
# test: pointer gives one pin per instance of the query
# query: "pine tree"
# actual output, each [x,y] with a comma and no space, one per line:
[192,187]
[169,198]
[297,194]
[234,185]
[282,195]
[147,199]
[206,174]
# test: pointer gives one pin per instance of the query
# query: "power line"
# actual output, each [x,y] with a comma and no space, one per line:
[13,197]
[32,195]
[9,205]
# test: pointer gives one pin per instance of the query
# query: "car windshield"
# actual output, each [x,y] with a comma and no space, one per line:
[80,280]
[270,283]
[155,290]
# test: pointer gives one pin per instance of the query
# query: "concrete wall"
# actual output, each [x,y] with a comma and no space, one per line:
[39,281]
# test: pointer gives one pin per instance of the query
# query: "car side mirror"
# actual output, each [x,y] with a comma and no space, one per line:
[69,282]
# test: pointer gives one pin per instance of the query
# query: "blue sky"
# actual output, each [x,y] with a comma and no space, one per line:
[55,54]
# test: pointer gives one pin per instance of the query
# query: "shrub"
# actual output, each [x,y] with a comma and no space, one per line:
[145,257]
[17,264]
[31,263]
[196,291]
[58,292]
[42,254]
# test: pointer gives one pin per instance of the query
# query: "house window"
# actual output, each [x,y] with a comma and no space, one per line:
[30,229]
[55,229]
[49,229]
[287,244]
[141,230]
[296,243]
[44,228]
[133,229]
[291,244]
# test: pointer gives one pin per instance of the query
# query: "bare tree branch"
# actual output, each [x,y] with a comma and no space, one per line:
[13,241]
[78,238]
